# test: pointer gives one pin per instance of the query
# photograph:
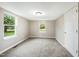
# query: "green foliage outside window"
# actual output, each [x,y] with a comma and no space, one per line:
[42,27]
[9,20]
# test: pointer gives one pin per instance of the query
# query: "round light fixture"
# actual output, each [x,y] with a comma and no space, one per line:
[38,13]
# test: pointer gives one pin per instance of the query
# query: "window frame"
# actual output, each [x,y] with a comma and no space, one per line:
[44,30]
[14,35]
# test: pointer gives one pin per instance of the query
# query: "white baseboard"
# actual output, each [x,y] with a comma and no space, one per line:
[43,37]
[61,43]
[65,48]
[12,46]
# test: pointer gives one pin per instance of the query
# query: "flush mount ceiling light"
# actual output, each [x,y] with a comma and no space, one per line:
[38,13]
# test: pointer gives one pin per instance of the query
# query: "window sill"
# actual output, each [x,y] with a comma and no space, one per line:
[8,37]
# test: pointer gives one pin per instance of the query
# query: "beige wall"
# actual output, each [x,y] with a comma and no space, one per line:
[60,30]
[1,28]
[50,29]
[21,32]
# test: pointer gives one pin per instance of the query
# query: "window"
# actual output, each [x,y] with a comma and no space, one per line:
[9,25]
[42,27]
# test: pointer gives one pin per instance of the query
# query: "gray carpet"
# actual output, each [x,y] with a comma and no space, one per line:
[38,48]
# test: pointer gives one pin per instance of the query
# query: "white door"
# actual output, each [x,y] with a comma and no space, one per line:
[70,31]
[75,27]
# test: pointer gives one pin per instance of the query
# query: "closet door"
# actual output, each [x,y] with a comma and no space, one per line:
[75,33]
[70,31]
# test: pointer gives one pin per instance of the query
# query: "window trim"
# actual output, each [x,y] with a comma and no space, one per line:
[42,22]
[9,13]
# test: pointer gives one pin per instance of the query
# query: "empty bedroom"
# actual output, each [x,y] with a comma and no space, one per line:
[39,29]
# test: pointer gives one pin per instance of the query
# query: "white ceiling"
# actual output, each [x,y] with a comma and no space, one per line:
[52,10]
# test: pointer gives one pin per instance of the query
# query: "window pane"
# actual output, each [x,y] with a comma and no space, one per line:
[9,20]
[9,25]
[42,27]
[9,30]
